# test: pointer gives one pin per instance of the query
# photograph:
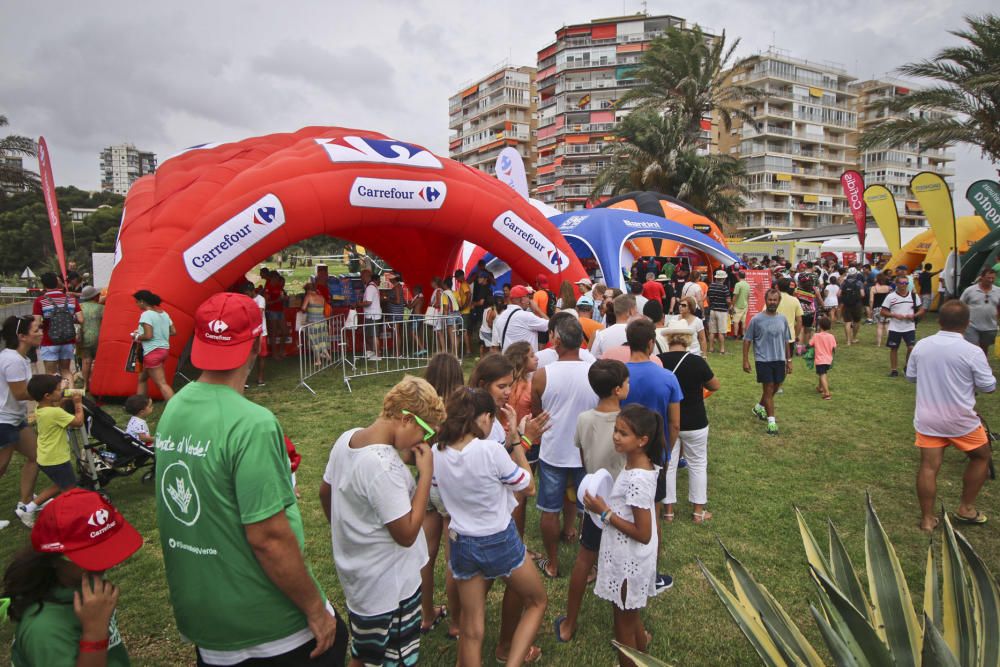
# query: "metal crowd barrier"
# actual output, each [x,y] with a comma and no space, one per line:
[319,347]
[391,345]
[364,348]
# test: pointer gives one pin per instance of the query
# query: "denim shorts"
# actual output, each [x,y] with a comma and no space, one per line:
[63,352]
[62,475]
[11,433]
[490,556]
[552,484]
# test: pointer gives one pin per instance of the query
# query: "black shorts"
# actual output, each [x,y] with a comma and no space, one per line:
[895,337]
[855,313]
[807,320]
[62,475]
[770,372]
[590,534]
[822,369]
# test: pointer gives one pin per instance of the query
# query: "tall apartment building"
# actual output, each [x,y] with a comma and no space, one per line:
[123,165]
[800,142]
[895,167]
[495,112]
[581,78]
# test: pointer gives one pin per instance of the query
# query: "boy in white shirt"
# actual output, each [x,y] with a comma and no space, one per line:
[376,511]
[594,431]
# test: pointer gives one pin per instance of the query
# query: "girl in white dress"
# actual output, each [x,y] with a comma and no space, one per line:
[626,566]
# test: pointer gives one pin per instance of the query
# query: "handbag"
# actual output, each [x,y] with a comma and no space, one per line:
[133,364]
[430,315]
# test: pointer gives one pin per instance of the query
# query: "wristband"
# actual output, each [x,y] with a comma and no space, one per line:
[606,517]
[526,442]
[94,647]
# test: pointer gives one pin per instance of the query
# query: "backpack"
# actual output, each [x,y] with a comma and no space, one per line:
[550,307]
[62,324]
[850,293]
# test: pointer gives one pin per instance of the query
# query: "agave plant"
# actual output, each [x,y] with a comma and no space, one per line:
[960,622]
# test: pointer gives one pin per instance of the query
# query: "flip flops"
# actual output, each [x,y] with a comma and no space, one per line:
[977,520]
[534,655]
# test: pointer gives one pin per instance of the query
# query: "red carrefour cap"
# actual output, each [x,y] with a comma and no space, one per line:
[88,530]
[226,327]
[518,291]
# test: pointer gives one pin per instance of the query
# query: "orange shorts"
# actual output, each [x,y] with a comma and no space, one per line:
[965,443]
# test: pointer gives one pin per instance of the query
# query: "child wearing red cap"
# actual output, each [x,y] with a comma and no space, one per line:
[63,606]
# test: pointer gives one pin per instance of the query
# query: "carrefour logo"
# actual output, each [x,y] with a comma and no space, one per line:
[530,240]
[233,237]
[398,194]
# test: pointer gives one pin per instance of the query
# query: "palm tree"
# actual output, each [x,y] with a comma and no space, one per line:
[967,85]
[685,72]
[12,176]
[650,154]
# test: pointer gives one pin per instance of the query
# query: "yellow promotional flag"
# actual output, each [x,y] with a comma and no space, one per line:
[935,198]
[882,206]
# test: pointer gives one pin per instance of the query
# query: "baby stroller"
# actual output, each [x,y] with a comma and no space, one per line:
[104,451]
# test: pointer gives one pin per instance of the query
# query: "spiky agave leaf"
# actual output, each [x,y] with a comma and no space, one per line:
[844,574]
[987,597]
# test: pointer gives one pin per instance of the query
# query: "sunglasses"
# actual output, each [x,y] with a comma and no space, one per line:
[429,432]
[682,305]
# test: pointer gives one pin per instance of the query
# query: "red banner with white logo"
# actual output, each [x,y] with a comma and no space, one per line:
[854,188]
[49,190]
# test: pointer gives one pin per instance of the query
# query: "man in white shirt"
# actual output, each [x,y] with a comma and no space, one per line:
[613,336]
[372,302]
[521,320]
[549,355]
[563,390]
[948,371]
[983,300]
[902,308]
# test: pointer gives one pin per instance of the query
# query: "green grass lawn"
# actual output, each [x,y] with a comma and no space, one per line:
[827,455]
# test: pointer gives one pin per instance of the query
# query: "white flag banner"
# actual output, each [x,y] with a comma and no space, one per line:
[510,170]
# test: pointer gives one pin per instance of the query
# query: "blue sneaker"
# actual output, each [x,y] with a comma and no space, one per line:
[682,462]
[664,582]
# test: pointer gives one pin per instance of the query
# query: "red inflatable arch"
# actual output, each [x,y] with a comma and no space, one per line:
[213,212]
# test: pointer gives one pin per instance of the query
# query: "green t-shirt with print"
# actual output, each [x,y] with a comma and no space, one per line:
[93,313]
[49,635]
[221,464]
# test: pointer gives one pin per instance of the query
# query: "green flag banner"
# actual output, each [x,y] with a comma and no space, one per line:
[984,196]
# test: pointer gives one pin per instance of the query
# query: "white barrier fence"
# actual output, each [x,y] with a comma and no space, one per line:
[365,348]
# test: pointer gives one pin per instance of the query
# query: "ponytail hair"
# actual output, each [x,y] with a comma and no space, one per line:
[13,326]
[464,406]
[649,424]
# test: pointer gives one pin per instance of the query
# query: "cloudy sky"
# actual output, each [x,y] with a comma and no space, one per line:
[175,74]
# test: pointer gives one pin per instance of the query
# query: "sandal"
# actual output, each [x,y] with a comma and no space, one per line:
[534,654]
[543,565]
[668,516]
[977,520]
[442,613]
[556,625]
[937,521]
[701,517]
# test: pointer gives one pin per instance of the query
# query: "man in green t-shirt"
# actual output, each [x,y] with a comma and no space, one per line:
[741,300]
[229,524]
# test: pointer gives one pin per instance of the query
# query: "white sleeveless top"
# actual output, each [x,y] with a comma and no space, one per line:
[567,394]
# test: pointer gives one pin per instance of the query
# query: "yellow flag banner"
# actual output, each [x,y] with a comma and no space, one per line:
[882,205]
[935,198]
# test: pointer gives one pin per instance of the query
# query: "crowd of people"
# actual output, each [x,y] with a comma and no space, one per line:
[572,386]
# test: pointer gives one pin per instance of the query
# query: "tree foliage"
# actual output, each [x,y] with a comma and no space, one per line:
[25,239]
[966,83]
[16,146]
[659,145]
[684,73]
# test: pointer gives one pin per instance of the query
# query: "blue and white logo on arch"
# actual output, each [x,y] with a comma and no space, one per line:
[386,151]
[397,193]
[232,238]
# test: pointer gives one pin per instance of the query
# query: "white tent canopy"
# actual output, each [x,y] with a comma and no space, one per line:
[874,241]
